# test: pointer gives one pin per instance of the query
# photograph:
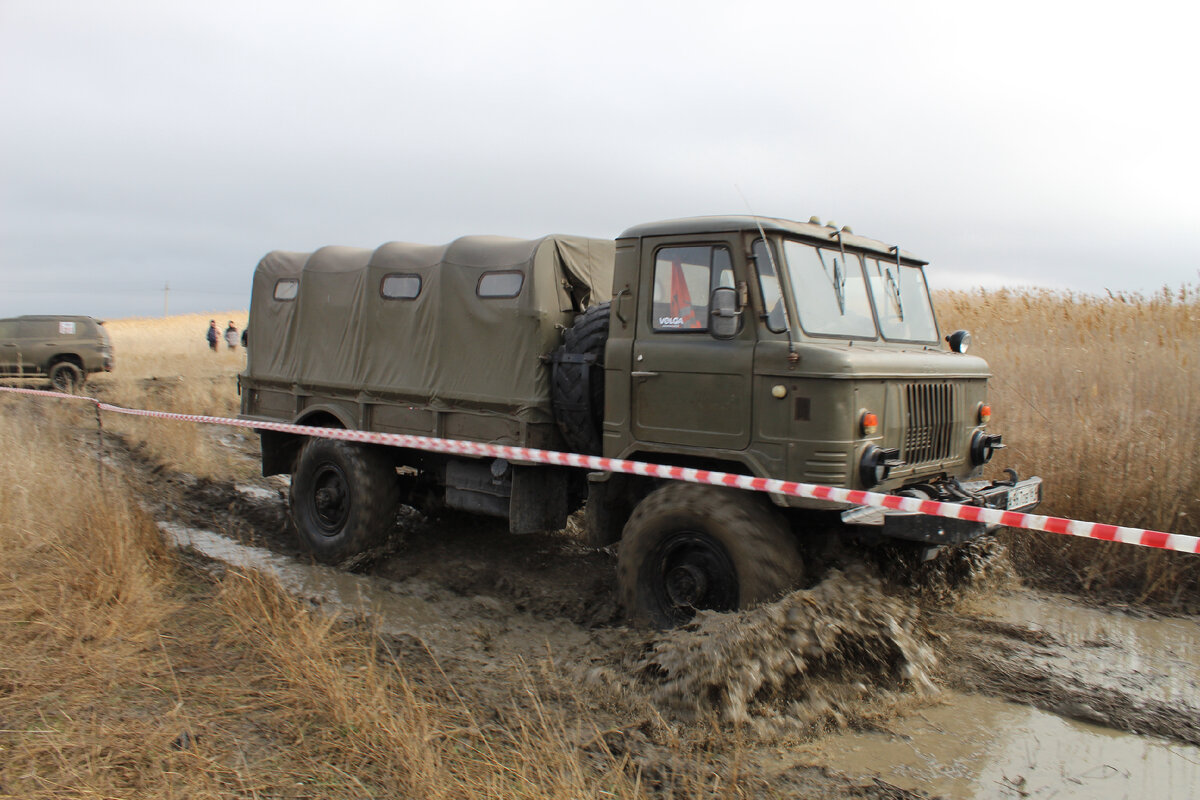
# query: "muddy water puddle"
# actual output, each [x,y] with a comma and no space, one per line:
[260,493]
[970,746]
[322,584]
[1160,655]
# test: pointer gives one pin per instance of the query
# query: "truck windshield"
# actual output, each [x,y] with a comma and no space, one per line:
[830,291]
[902,301]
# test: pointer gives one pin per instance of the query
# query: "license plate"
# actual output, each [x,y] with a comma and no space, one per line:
[1022,496]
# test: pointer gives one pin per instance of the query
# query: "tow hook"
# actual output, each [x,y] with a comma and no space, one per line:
[1013,480]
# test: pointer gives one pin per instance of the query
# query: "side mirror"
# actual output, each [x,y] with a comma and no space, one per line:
[959,341]
[724,316]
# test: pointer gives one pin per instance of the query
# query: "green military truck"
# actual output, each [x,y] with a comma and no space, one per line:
[759,346]
[65,349]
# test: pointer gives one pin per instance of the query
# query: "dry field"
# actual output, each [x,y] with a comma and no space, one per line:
[165,365]
[126,673]
[130,672]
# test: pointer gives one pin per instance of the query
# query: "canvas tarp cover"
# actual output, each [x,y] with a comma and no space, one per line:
[447,348]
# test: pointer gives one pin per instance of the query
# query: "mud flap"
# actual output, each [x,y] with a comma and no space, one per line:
[539,500]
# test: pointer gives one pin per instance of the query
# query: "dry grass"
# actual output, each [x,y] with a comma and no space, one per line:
[127,674]
[1100,396]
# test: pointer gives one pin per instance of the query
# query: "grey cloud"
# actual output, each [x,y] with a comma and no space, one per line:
[147,143]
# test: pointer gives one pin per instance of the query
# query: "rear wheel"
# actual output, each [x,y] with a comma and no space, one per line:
[66,377]
[688,548]
[344,498]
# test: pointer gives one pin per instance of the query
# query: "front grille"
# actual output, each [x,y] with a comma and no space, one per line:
[929,414]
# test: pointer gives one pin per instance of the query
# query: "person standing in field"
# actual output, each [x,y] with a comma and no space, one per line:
[213,335]
[231,336]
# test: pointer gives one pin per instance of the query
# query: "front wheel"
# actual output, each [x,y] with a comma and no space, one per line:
[343,498]
[688,548]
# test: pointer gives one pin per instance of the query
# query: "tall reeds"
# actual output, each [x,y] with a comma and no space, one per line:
[1101,397]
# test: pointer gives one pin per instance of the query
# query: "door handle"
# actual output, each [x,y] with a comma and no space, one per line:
[617,303]
[641,374]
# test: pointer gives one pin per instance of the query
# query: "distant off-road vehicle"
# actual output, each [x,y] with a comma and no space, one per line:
[766,347]
[64,349]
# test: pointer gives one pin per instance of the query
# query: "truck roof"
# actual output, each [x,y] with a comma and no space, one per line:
[741,222]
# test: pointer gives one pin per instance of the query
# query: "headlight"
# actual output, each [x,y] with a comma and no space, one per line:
[876,465]
[984,446]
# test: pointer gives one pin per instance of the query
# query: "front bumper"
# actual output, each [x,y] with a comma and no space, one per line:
[1022,496]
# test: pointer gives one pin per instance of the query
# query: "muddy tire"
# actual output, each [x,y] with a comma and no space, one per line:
[343,498]
[577,381]
[688,548]
[66,377]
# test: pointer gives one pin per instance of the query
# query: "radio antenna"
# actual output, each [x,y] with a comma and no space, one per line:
[793,357]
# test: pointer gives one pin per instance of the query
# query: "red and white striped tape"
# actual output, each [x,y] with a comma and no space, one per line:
[991,516]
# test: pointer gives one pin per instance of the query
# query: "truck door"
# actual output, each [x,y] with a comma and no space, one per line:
[688,388]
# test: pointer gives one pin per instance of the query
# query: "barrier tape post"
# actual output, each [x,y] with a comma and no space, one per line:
[854,497]
[99,446]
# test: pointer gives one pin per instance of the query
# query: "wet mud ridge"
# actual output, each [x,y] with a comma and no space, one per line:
[853,654]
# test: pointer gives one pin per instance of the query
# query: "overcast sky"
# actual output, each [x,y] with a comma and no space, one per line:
[151,143]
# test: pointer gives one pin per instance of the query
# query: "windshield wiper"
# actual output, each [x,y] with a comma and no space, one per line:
[839,273]
[839,285]
[894,290]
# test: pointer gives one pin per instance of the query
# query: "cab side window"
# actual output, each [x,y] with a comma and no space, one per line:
[684,278]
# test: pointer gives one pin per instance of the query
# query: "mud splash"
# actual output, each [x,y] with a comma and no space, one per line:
[806,661]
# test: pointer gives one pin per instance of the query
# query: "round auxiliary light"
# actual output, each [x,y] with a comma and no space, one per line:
[959,341]
[985,413]
[869,424]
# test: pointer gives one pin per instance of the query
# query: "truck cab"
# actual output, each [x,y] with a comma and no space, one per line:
[833,370]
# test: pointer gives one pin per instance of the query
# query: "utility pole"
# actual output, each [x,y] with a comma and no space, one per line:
[166,293]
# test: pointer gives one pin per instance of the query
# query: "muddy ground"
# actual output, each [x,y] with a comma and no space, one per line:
[962,683]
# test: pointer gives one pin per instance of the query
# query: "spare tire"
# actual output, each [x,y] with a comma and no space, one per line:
[577,381]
